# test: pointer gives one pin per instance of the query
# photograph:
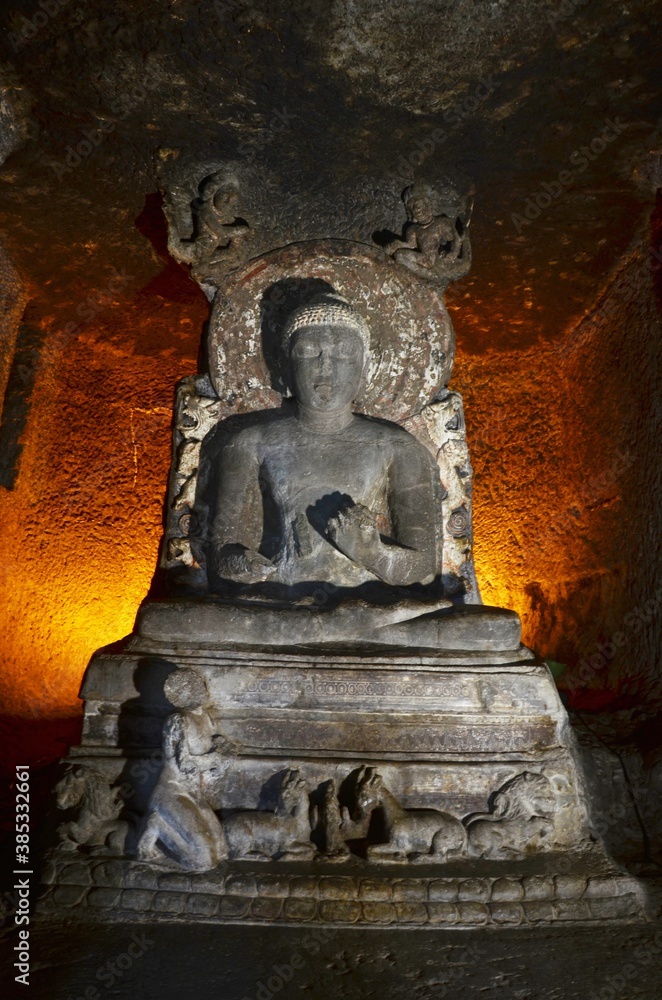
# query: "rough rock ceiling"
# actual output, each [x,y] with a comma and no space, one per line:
[333,105]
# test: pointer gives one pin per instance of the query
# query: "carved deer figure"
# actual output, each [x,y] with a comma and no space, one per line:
[283,834]
[412,834]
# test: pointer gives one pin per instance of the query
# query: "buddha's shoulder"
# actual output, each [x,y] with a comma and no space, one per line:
[384,432]
[274,428]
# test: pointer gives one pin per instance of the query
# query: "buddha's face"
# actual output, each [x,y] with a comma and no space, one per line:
[326,364]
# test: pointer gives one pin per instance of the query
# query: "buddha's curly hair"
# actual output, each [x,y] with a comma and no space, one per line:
[326,309]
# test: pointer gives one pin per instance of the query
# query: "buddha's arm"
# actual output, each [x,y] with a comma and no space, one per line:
[411,495]
[237,527]
[412,558]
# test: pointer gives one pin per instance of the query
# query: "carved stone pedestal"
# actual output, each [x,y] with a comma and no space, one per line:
[318,720]
[430,789]
[459,896]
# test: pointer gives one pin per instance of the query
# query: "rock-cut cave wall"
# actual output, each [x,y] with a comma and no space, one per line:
[558,324]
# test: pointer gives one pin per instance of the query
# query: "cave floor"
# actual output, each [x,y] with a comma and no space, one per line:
[212,962]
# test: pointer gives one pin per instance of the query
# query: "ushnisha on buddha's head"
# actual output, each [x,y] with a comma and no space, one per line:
[327,347]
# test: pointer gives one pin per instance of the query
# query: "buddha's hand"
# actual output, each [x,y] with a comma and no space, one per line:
[243,565]
[354,531]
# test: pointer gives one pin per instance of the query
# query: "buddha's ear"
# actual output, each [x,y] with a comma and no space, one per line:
[359,399]
[366,379]
[285,379]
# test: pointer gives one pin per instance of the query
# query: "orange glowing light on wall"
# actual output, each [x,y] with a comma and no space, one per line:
[553,540]
[558,442]
[81,528]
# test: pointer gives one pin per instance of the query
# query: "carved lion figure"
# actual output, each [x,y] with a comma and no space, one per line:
[521,820]
[96,821]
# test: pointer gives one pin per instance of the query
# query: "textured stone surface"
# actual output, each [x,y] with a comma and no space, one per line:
[488,835]
[477,763]
[408,353]
[367,86]
[412,338]
[622,764]
[230,962]
[290,710]
[475,898]
[355,626]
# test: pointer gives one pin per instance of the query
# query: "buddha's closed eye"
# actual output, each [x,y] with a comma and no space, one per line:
[337,353]
[307,351]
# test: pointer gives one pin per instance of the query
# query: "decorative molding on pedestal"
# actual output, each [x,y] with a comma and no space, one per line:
[316,719]
[130,891]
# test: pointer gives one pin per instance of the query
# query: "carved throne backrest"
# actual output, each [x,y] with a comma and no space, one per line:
[411,357]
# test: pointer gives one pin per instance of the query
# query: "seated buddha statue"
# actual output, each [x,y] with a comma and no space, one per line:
[326,521]
[325,496]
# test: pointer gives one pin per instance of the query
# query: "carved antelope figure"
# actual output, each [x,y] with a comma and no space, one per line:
[413,834]
[283,834]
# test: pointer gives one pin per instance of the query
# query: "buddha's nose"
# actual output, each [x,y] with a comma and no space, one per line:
[325,366]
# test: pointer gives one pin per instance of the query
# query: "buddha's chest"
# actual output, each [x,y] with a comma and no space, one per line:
[305,473]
